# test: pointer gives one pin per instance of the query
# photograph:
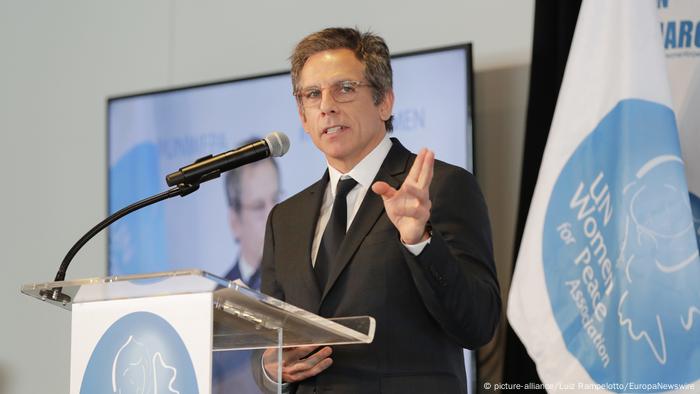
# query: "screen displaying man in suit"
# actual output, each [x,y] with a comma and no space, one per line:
[251,192]
[401,237]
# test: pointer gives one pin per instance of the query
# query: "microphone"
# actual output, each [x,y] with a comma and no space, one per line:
[210,167]
[185,181]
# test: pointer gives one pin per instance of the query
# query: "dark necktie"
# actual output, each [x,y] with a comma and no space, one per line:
[334,233]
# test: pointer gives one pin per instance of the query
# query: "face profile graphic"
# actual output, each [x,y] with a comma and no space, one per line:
[659,247]
[136,370]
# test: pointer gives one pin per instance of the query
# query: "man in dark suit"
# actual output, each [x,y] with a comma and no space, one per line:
[414,252]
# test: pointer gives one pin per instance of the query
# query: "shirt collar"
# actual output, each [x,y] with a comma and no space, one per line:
[366,170]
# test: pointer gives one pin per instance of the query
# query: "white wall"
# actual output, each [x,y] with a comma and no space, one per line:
[60,60]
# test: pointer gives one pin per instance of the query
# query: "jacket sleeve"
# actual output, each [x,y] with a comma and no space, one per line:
[269,284]
[455,274]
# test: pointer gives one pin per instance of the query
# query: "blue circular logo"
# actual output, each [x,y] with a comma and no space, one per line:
[140,353]
[620,252]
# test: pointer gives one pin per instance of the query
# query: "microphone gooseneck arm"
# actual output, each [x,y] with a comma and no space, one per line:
[179,190]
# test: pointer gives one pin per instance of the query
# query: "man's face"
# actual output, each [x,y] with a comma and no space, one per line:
[344,132]
[259,193]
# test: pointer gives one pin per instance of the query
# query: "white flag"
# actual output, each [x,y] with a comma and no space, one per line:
[606,288]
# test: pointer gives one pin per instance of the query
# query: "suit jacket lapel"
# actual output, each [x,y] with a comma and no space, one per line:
[392,171]
[308,219]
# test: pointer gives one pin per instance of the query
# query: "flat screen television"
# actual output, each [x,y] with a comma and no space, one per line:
[154,133]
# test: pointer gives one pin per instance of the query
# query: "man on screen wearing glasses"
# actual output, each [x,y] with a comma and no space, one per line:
[251,192]
[385,233]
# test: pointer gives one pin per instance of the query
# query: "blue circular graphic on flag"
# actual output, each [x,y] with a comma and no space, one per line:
[140,353]
[620,253]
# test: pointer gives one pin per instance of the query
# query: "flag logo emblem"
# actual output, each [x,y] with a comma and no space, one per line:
[618,242]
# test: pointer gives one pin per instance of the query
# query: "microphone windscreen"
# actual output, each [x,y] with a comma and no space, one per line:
[278,143]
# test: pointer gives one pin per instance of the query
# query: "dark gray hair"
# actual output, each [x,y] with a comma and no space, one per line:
[369,48]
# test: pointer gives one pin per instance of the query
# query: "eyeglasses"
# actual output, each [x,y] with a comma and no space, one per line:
[262,204]
[342,92]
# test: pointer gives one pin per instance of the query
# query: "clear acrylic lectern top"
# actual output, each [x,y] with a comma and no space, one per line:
[243,318]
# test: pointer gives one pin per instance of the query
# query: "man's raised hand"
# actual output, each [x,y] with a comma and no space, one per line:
[408,208]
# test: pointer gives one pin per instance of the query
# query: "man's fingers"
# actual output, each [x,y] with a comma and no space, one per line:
[317,357]
[415,170]
[305,374]
[416,212]
[301,369]
[421,172]
[309,362]
[408,190]
[293,354]
[413,192]
[296,365]
[383,189]
[426,173]
[289,355]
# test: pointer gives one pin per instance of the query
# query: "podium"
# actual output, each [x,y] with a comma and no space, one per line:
[155,333]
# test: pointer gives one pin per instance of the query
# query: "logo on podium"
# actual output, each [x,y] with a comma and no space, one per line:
[140,353]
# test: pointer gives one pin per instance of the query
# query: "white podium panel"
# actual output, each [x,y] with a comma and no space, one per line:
[146,345]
